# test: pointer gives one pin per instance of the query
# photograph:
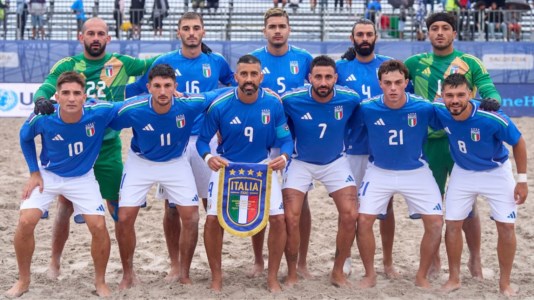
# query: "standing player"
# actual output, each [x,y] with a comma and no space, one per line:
[237,115]
[481,168]
[397,125]
[106,75]
[359,71]
[284,68]
[427,72]
[71,139]
[319,115]
[196,72]
[161,127]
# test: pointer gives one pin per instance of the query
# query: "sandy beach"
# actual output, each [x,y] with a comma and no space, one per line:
[152,263]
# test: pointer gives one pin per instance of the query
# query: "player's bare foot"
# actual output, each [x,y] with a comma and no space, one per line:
[216,285]
[475,268]
[422,282]
[257,270]
[186,280]
[53,272]
[367,282]
[391,272]
[291,281]
[274,286]
[128,282]
[102,290]
[18,289]
[450,286]
[508,291]
[339,280]
[303,272]
[173,276]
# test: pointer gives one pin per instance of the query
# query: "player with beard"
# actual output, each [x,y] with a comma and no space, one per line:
[427,72]
[319,115]
[106,75]
[359,71]
[284,68]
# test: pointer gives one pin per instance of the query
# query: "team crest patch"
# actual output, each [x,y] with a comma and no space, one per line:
[180,121]
[266,116]
[90,129]
[206,70]
[294,67]
[454,70]
[244,198]
[338,112]
[412,119]
[475,134]
[109,70]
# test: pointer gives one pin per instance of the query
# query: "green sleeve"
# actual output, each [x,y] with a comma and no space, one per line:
[482,81]
[137,66]
[48,88]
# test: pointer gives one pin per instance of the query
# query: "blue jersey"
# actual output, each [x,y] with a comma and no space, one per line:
[396,136]
[248,131]
[286,72]
[477,143]
[68,149]
[193,75]
[363,78]
[319,128]
[159,137]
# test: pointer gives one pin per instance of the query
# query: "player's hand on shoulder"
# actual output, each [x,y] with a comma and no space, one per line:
[490,104]
[278,163]
[350,54]
[178,94]
[44,106]
[520,192]
[35,181]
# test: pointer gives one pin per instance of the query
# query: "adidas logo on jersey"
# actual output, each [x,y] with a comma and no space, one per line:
[380,122]
[437,207]
[426,71]
[177,72]
[447,130]
[148,128]
[101,208]
[306,116]
[235,121]
[351,78]
[58,137]
[349,179]
[265,71]
[512,215]
[195,199]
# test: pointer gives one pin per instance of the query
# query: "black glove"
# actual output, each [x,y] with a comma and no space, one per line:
[490,104]
[205,49]
[44,106]
[349,55]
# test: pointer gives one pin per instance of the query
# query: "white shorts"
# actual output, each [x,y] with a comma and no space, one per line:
[334,176]
[497,185]
[418,187]
[358,164]
[276,207]
[201,171]
[175,176]
[83,191]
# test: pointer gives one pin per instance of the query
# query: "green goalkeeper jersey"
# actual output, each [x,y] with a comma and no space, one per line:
[427,71]
[105,79]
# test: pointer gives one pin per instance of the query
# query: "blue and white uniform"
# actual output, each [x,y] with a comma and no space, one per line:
[396,161]
[248,131]
[319,132]
[363,78]
[201,74]
[69,151]
[157,147]
[481,161]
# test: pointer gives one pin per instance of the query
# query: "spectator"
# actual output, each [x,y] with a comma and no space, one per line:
[212,4]
[118,15]
[283,2]
[512,17]
[160,11]
[340,2]
[373,10]
[420,16]
[77,8]
[22,16]
[3,15]
[196,4]
[37,11]
[137,12]
[495,22]
[402,21]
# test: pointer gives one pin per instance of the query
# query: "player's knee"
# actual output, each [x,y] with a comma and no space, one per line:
[454,227]
[190,220]
[506,230]
[365,222]
[277,222]
[27,223]
[212,223]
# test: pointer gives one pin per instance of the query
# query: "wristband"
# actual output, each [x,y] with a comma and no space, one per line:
[207,157]
[521,177]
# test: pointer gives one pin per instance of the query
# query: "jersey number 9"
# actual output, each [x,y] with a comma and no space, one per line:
[249,132]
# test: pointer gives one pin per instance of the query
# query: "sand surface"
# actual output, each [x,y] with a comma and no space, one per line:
[151,260]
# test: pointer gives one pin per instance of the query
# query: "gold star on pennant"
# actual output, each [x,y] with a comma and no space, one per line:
[259,174]
[232,172]
[241,172]
[250,172]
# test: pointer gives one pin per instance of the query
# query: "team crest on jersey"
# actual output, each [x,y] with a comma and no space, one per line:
[412,119]
[475,134]
[180,121]
[294,67]
[109,71]
[338,112]
[206,70]
[266,116]
[90,129]
[454,70]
